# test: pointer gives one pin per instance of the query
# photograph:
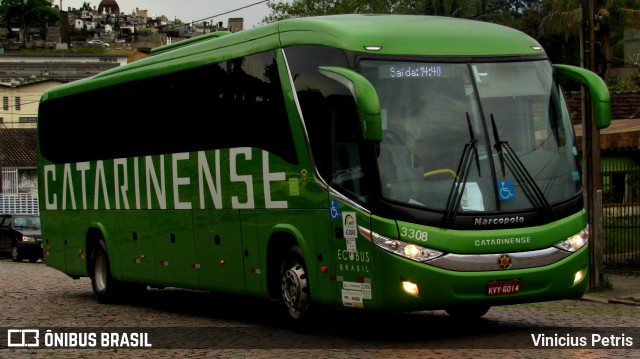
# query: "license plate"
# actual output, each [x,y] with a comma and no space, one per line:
[504,287]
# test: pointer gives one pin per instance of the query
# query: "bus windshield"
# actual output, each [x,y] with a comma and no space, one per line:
[482,137]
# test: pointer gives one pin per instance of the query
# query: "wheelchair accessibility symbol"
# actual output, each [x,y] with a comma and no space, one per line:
[335,209]
[506,191]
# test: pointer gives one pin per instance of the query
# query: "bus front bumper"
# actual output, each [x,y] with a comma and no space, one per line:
[411,286]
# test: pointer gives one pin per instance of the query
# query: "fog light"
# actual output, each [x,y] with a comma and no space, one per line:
[410,288]
[578,276]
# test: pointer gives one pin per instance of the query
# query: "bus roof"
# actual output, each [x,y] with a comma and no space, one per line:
[408,35]
[392,34]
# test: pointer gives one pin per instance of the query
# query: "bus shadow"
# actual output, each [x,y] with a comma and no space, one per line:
[239,321]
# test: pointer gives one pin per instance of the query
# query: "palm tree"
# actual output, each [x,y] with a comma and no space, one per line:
[611,20]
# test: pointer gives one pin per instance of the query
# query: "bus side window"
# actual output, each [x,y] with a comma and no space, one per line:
[346,169]
[233,103]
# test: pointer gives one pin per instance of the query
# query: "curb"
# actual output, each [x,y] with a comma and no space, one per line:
[626,301]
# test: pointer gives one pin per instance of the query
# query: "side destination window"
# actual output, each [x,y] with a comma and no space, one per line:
[234,103]
[330,117]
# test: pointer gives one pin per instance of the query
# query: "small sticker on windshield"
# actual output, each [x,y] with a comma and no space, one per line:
[468,89]
[506,190]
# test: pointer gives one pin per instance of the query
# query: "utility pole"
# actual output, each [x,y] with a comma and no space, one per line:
[1,163]
[591,150]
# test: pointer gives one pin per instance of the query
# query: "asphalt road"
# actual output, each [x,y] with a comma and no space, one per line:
[173,323]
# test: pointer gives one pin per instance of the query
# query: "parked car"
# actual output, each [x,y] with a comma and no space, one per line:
[20,237]
[98,43]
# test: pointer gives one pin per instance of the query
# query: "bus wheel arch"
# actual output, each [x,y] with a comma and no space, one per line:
[93,237]
[279,245]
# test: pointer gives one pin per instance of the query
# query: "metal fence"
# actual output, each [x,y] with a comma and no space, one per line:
[19,203]
[621,216]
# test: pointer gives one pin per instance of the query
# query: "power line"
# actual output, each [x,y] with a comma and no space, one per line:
[224,13]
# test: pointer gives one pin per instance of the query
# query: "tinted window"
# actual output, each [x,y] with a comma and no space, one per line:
[235,103]
[330,117]
[314,91]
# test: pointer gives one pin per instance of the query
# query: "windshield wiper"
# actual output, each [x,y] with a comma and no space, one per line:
[507,156]
[457,189]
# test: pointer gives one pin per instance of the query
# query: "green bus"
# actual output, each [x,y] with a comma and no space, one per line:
[391,163]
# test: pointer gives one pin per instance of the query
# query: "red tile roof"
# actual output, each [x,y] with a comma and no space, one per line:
[621,134]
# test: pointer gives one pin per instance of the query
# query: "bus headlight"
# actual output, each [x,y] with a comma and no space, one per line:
[407,250]
[575,242]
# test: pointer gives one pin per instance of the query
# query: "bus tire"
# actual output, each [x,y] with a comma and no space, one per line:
[294,288]
[105,288]
[468,312]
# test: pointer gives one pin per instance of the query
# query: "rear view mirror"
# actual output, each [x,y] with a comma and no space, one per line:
[366,99]
[600,100]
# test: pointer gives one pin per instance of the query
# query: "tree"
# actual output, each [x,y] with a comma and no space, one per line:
[453,8]
[26,14]
[302,8]
[612,18]
[554,23]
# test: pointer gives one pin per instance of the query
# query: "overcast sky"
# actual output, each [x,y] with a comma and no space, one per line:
[188,10]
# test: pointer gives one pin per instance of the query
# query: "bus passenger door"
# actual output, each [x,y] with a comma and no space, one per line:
[353,252]
[218,250]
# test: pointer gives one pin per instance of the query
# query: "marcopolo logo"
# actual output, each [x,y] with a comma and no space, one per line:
[479,221]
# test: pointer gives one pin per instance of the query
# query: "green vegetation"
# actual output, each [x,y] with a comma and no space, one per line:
[554,23]
[621,85]
[620,234]
[26,15]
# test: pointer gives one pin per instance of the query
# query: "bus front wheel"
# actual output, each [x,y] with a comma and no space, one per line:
[294,287]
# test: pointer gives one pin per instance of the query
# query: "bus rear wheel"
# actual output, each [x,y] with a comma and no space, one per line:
[105,288]
[294,287]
